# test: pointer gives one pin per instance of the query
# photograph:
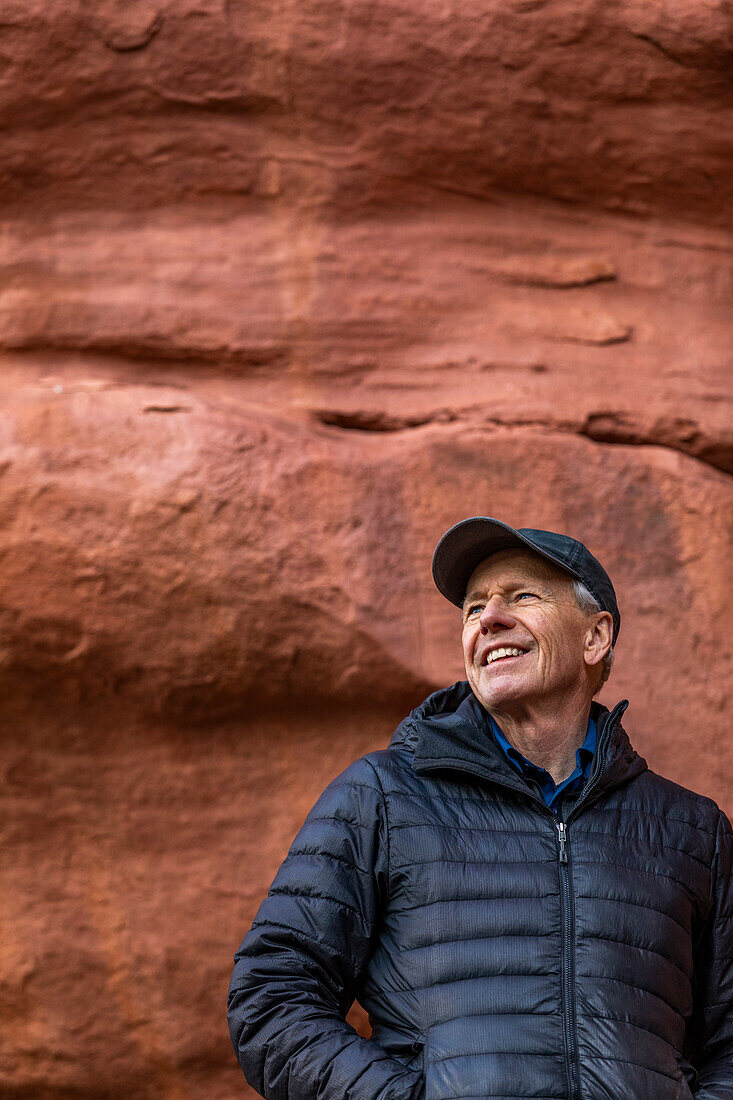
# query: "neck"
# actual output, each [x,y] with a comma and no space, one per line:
[549,736]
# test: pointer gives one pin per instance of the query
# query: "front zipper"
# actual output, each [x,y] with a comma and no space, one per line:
[570,1022]
[562,837]
[420,1060]
[569,1016]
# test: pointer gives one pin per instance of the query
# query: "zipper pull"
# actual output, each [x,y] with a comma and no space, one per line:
[561,832]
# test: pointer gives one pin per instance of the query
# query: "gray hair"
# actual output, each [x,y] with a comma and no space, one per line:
[588,602]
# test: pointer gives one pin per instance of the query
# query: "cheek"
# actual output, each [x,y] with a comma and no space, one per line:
[468,641]
[561,648]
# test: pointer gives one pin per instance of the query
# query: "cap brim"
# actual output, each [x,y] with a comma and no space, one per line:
[466,545]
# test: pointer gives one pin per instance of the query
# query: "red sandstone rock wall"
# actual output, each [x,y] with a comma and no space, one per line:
[287,289]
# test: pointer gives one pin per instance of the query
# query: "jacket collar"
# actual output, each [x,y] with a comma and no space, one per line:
[446,742]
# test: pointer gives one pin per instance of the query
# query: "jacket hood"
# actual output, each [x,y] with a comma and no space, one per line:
[442,740]
[443,702]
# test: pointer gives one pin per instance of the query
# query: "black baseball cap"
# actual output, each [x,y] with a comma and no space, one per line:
[469,542]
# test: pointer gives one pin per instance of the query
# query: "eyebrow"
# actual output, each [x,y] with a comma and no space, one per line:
[513,586]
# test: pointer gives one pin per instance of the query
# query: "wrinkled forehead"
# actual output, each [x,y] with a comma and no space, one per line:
[512,566]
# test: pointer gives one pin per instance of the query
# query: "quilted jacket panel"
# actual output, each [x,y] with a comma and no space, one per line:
[430,881]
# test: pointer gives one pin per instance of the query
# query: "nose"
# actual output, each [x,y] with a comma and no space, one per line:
[495,616]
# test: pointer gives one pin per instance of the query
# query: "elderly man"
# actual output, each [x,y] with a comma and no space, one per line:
[522,906]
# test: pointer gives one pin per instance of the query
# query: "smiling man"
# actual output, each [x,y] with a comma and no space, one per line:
[524,907]
[534,658]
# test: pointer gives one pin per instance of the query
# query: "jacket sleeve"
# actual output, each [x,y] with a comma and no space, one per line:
[713,1056]
[302,962]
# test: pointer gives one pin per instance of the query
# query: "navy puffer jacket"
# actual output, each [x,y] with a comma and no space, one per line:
[499,952]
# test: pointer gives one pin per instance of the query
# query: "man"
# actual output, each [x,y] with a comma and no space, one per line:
[522,906]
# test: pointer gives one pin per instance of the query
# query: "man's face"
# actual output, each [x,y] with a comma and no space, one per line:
[518,601]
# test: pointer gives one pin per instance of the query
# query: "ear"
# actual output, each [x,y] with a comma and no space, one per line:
[598,638]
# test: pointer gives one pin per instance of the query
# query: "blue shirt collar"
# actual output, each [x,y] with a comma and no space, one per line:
[583,755]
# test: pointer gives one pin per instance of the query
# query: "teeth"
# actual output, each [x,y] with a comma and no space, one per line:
[507,651]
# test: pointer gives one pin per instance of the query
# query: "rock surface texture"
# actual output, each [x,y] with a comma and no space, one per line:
[287,289]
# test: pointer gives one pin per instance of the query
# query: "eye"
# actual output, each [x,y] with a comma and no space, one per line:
[473,609]
[521,595]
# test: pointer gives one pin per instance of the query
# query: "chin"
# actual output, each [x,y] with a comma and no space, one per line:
[495,695]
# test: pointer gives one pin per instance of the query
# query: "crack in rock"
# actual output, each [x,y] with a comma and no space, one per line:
[364,421]
[672,433]
[166,408]
[675,433]
[662,49]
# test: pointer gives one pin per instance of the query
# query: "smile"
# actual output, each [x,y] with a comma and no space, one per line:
[501,654]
